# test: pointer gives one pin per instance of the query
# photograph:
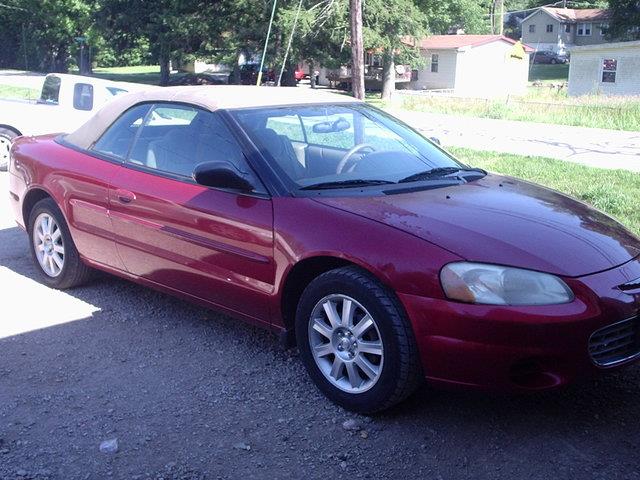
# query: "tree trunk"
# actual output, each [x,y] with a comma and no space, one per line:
[357,49]
[164,69]
[235,74]
[312,73]
[388,75]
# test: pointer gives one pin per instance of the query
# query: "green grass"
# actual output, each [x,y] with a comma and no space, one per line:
[20,93]
[612,191]
[548,73]
[541,104]
[148,74]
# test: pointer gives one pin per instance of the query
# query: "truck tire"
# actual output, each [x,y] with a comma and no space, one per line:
[6,137]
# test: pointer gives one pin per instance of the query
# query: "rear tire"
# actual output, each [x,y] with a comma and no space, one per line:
[6,137]
[362,356]
[52,249]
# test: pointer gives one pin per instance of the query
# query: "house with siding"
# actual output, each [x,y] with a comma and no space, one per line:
[607,69]
[558,29]
[472,65]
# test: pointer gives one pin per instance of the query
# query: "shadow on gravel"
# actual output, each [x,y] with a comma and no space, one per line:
[190,393]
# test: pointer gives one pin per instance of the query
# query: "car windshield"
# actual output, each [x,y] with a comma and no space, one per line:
[344,145]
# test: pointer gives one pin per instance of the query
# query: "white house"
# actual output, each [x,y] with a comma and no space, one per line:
[608,69]
[556,29]
[473,65]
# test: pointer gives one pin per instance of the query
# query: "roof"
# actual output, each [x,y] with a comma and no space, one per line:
[607,46]
[454,42]
[574,15]
[209,97]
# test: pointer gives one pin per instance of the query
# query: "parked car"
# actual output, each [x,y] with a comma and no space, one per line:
[249,74]
[548,56]
[337,226]
[65,103]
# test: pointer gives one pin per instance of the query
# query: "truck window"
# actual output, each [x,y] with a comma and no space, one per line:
[50,90]
[83,96]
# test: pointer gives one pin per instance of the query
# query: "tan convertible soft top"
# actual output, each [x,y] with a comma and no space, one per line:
[208,97]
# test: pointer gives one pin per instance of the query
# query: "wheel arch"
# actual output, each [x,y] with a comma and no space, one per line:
[33,196]
[298,278]
[12,128]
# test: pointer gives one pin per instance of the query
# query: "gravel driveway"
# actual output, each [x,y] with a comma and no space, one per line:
[188,393]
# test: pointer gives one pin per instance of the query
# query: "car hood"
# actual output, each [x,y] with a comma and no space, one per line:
[505,221]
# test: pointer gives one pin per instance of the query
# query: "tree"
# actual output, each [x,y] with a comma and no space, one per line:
[357,49]
[42,32]
[388,23]
[624,23]
[449,15]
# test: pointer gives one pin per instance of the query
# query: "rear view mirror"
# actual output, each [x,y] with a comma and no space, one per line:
[221,175]
[339,125]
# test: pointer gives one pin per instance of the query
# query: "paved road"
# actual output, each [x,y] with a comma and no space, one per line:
[190,394]
[589,146]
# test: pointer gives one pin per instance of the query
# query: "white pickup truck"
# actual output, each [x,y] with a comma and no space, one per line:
[65,103]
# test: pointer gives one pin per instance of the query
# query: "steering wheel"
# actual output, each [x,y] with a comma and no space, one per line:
[350,153]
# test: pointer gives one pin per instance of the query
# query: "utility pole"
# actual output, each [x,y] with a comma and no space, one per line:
[501,17]
[357,49]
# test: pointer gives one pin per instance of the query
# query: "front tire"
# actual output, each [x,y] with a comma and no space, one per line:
[356,341]
[6,137]
[52,249]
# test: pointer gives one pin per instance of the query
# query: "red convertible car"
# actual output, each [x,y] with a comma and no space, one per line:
[330,222]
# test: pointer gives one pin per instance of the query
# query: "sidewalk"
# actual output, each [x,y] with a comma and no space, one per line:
[589,146]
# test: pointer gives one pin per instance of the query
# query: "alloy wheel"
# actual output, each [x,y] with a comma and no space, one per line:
[346,343]
[48,244]
[5,147]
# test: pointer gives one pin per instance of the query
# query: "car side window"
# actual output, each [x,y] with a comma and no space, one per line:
[50,90]
[117,140]
[176,138]
[83,96]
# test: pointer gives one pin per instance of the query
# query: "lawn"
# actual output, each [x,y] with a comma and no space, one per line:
[149,74]
[612,191]
[19,93]
[541,104]
[548,73]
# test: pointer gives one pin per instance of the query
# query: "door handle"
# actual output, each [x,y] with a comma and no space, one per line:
[125,196]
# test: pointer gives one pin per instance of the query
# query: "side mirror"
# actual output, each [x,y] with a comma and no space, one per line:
[221,175]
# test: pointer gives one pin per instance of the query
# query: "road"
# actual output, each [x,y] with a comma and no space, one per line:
[594,147]
[191,394]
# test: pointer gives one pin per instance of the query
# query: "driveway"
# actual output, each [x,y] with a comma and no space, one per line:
[589,146]
[190,394]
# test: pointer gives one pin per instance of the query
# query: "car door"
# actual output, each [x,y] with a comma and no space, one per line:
[87,177]
[212,244]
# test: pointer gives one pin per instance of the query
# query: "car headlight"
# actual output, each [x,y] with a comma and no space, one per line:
[496,285]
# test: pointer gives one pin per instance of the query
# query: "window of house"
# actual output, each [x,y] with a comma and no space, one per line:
[584,29]
[83,96]
[550,28]
[532,28]
[609,70]
[603,29]
[567,28]
[434,63]
[373,59]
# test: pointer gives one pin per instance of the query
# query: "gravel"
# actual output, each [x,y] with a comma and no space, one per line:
[191,394]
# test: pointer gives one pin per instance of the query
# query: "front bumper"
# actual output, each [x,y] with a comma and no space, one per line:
[521,348]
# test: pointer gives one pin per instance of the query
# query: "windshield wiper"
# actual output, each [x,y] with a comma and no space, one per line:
[345,184]
[439,172]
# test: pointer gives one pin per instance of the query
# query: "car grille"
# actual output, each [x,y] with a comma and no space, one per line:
[615,343]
